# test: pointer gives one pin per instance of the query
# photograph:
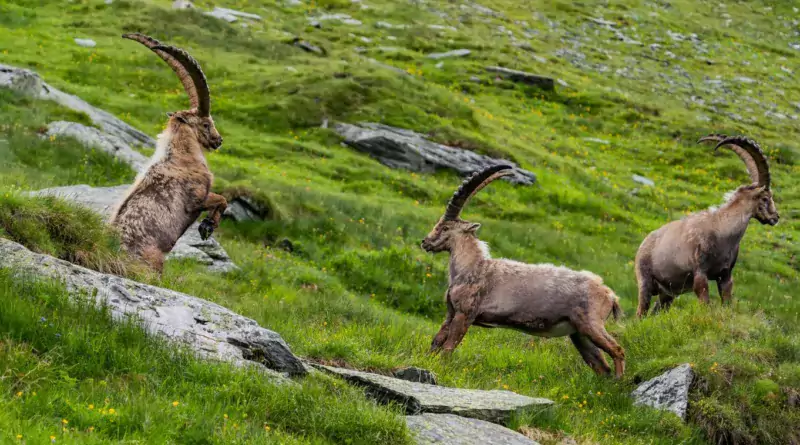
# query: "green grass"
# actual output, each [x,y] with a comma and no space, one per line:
[72,373]
[357,288]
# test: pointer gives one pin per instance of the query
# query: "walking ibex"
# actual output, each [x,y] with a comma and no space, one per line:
[684,255]
[174,189]
[538,299]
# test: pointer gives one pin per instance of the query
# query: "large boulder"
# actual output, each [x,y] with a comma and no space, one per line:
[104,199]
[400,148]
[492,406]
[209,330]
[668,391]
[92,137]
[30,84]
[429,429]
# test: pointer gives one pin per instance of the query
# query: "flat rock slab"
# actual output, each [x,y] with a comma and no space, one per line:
[453,53]
[669,391]
[207,329]
[406,149]
[103,200]
[545,83]
[92,137]
[30,84]
[493,406]
[450,429]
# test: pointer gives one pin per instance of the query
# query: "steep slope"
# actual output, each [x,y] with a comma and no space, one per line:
[639,84]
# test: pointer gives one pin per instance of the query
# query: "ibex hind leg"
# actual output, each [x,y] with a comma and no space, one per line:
[154,258]
[647,288]
[603,340]
[590,353]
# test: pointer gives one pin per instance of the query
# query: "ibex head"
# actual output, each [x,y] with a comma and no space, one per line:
[758,193]
[198,118]
[450,227]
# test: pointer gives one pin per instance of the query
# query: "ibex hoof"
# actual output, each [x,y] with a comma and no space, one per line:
[206,229]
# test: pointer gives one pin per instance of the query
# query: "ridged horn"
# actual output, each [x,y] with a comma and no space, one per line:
[473,185]
[185,66]
[751,154]
[748,151]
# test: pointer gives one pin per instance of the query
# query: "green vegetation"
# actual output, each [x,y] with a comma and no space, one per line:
[357,288]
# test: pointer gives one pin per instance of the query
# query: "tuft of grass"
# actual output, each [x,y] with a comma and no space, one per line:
[76,234]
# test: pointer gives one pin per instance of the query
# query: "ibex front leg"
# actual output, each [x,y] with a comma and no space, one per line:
[214,205]
[463,300]
[441,336]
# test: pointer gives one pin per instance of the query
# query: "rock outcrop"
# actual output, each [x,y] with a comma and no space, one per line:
[492,406]
[30,84]
[400,148]
[450,429]
[207,329]
[669,391]
[92,137]
[189,246]
[545,83]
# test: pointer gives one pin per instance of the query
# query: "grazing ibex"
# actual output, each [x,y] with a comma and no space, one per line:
[684,255]
[174,189]
[538,299]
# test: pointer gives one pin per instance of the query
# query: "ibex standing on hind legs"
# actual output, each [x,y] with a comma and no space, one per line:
[538,299]
[176,187]
[684,255]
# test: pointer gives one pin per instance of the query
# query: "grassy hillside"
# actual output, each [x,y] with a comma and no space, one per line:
[357,289]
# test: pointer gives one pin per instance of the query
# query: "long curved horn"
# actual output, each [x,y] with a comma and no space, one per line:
[203,95]
[180,70]
[754,159]
[471,186]
[744,155]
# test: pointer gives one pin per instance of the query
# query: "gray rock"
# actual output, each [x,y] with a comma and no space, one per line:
[545,83]
[103,201]
[453,53]
[597,140]
[343,18]
[220,13]
[207,329]
[603,22]
[86,43]
[235,13]
[243,208]
[182,4]
[669,391]
[429,429]
[414,374]
[92,137]
[399,148]
[492,406]
[29,83]
[305,46]
[389,67]
[642,180]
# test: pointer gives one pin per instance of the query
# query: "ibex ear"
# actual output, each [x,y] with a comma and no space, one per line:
[473,227]
[179,117]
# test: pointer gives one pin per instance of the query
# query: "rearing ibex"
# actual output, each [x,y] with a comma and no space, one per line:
[684,255]
[538,299]
[174,190]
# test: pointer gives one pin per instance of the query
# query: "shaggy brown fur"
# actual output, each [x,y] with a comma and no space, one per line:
[175,189]
[538,299]
[684,255]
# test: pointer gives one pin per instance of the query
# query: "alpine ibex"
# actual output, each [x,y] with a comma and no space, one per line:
[538,299]
[172,192]
[684,255]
